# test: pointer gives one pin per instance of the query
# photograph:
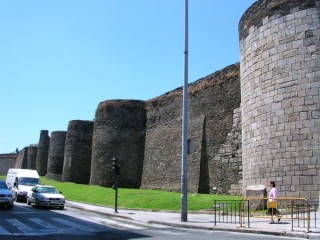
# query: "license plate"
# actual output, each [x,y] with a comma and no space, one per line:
[1,200]
[54,202]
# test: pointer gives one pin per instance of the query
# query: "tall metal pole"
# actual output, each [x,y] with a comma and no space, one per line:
[184,162]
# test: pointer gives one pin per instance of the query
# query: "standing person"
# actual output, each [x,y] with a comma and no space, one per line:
[272,204]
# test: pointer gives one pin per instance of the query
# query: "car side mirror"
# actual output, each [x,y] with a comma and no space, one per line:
[60,192]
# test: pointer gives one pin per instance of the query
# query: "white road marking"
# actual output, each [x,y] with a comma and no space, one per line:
[43,224]
[21,226]
[117,224]
[3,231]
[74,225]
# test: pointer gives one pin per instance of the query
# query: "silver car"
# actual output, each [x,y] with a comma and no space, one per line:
[45,196]
[6,198]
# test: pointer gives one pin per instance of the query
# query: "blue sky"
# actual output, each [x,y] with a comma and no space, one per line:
[60,58]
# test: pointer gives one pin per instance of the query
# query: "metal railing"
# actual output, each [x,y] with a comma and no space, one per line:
[231,211]
[299,212]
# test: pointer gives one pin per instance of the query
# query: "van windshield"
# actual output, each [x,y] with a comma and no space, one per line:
[29,181]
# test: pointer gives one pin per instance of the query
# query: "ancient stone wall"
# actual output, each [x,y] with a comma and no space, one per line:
[212,101]
[22,159]
[77,152]
[31,158]
[56,155]
[7,161]
[119,131]
[43,153]
[280,82]
[245,132]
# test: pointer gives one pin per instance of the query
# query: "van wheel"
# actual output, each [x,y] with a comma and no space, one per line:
[28,201]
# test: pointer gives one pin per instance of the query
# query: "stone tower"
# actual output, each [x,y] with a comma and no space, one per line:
[32,155]
[119,131]
[77,152]
[280,103]
[56,155]
[42,153]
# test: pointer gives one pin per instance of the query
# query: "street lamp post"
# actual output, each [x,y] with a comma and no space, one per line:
[184,161]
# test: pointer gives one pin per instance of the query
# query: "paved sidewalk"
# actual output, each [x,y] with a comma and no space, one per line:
[203,221]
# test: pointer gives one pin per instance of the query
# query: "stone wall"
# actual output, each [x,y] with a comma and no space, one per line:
[7,161]
[77,152]
[56,155]
[245,131]
[280,82]
[212,101]
[43,153]
[119,131]
[31,157]
[22,159]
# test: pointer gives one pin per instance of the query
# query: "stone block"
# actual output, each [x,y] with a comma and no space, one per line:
[259,192]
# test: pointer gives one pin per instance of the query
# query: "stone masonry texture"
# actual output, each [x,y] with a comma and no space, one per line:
[43,153]
[77,152]
[7,161]
[250,122]
[56,155]
[212,101]
[280,82]
[32,155]
[119,132]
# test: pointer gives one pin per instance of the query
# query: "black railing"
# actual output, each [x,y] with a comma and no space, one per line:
[301,213]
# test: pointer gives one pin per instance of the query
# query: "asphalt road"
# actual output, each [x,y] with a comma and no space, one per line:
[28,222]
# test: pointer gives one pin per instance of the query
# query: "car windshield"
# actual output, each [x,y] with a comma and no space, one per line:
[29,181]
[47,190]
[3,185]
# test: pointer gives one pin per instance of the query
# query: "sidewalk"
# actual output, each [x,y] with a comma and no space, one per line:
[202,221]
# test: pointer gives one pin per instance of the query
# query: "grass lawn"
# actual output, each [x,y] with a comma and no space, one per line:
[133,198]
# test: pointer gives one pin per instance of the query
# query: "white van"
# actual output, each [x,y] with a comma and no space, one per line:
[20,181]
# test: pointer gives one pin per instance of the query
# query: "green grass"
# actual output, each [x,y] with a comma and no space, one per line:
[133,198]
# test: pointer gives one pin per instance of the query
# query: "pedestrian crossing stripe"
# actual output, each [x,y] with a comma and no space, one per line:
[74,225]
[118,225]
[43,223]
[3,231]
[19,225]
[47,227]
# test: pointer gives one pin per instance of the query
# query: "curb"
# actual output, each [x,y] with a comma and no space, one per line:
[214,228]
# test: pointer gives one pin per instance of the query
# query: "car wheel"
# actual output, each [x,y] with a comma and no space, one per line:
[10,206]
[28,201]
[37,203]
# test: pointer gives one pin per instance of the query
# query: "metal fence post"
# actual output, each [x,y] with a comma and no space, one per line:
[240,209]
[248,205]
[291,215]
[215,212]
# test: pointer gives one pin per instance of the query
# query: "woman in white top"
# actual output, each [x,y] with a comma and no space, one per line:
[272,198]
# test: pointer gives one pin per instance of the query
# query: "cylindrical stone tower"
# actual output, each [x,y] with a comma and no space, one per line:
[32,155]
[119,131]
[56,155]
[280,82]
[42,153]
[77,152]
